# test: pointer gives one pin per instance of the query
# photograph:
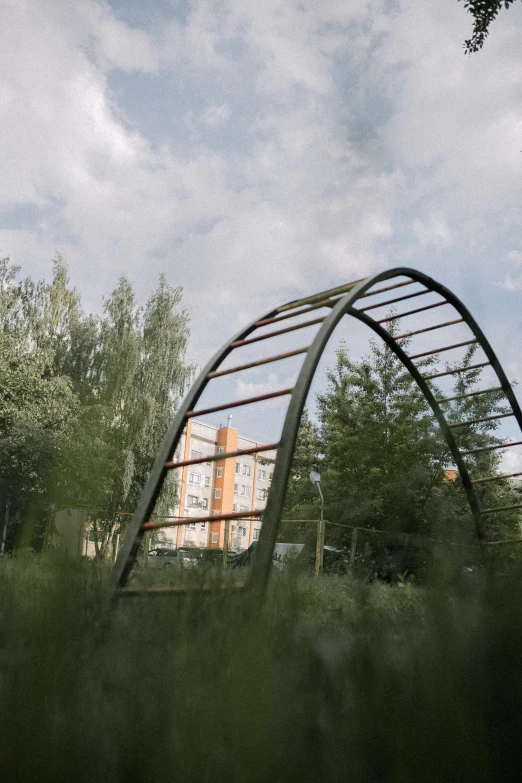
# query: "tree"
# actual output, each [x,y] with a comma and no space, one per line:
[383,461]
[382,454]
[135,374]
[37,404]
[85,401]
[484,12]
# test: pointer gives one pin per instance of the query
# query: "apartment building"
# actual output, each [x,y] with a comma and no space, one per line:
[218,487]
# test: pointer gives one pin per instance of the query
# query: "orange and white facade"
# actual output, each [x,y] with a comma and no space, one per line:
[210,488]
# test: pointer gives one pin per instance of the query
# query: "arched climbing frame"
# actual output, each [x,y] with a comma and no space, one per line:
[339,301]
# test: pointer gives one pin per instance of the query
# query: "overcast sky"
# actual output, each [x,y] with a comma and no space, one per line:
[259,150]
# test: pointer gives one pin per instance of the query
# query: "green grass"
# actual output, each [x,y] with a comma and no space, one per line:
[334,680]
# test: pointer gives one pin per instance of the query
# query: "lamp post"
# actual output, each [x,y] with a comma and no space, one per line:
[315,478]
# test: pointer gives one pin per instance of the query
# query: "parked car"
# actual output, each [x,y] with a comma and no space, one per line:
[166,558]
[210,556]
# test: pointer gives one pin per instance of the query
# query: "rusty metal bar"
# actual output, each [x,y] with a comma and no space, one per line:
[238,403]
[411,312]
[219,457]
[239,343]
[333,302]
[427,329]
[211,518]
[270,359]
[479,421]
[388,288]
[322,303]
[495,478]
[492,448]
[499,508]
[176,590]
[397,299]
[471,394]
[455,372]
[319,297]
[441,350]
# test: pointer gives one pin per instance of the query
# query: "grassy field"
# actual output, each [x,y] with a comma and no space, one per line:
[334,680]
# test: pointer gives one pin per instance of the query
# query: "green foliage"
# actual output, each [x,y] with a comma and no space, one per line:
[383,461]
[332,681]
[37,402]
[85,400]
[380,450]
[484,13]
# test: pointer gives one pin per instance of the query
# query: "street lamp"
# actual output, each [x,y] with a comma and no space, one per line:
[315,478]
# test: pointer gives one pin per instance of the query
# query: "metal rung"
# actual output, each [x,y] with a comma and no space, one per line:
[388,288]
[495,478]
[441,350]
[499,508]
[428,329]
[455,372]
[397,299]
[176,590]
[411,312]
[471,394]
[237,404]
[271,359]
[318,306]
[219,457]
[478,421]
[212,518]
[239,343]
[319,297]
[492,448]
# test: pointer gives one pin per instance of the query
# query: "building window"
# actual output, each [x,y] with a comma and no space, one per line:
[204,503]
[192,500]
[196,454]
[234,507]
[244,508]
[247,470]
[235,488]
[207,481]
[260,494]
[221,449]
[245,490]
[190,526]
[238,467]
[194,478]
[256,534]
[261,475]
[217,494]
[219,472]
[203,527]
[213,538]
[270,477]
[242,531]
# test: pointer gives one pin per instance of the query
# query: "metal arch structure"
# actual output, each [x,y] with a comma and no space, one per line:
[340,301]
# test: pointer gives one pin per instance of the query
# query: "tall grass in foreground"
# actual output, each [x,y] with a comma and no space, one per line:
[334,680]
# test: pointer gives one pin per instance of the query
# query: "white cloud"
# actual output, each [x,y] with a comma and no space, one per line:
[433,232]
[459,115]
[342,127]
[274,383]
[512,283]
[216,116]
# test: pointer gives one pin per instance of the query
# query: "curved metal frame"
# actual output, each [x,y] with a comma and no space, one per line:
[341,306]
